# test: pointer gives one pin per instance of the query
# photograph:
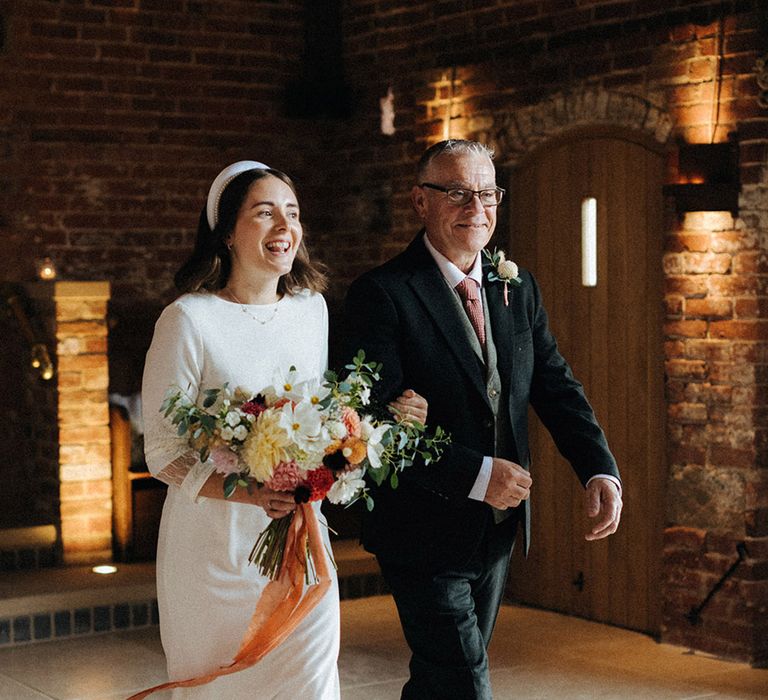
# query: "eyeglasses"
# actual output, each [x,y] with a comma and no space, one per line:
[461,197]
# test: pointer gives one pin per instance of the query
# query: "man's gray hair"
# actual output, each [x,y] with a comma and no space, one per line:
[451,147]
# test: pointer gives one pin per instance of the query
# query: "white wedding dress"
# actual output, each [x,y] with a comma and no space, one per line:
[206,589]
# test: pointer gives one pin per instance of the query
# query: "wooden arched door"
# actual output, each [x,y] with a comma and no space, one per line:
[611,335]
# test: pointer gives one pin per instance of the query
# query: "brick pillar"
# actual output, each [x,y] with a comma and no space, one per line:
[85,470]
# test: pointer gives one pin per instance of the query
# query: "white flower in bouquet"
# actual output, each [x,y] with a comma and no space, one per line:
[336,429]
[375,447]
[360,386]
[346,487]
[287,384]
[366,427]
[315,391]
[233,418]
[227,433]
[302,423]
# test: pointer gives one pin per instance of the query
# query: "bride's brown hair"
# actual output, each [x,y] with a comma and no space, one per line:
[210,264]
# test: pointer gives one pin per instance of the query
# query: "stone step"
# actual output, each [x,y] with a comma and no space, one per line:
[59,603]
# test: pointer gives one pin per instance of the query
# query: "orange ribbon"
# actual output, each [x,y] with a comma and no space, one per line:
[281,606]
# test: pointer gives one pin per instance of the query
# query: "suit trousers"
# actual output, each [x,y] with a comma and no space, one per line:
[448,616]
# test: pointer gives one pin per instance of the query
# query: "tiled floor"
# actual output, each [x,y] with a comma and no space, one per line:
[534,654]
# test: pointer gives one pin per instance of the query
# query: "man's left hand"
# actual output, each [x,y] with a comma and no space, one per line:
[409,407]
[604,504]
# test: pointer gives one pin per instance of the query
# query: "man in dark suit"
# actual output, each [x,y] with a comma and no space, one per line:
[480,356]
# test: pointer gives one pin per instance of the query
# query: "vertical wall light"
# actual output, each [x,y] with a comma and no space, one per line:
[589,242]
[448,117]
[387,106]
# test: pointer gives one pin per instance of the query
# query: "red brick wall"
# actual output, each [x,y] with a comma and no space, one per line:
[521,52]
[698,68]
[118,112]
[115,117]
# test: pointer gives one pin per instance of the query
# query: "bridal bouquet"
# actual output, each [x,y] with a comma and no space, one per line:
[310,438]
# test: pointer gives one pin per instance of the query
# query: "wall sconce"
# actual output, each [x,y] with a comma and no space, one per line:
[705,177]
[41,361]
[46,270]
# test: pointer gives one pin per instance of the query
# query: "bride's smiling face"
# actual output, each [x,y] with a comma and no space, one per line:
[268,229]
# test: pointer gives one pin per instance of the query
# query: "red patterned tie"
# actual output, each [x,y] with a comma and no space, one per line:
[470,295]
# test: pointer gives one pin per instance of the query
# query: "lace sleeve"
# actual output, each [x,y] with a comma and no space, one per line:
[187,473]
[174,473]
[174,359]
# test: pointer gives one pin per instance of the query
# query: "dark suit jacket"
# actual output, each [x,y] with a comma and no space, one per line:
[402,315]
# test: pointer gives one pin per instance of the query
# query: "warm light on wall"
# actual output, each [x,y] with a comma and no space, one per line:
[46,270]
[387,107]
[714,221]
[589,242]
[452,120]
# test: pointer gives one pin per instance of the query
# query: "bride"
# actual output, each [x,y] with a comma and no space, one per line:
[251,306]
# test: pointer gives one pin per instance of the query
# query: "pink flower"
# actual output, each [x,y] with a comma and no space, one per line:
[351,421]
[285,477]
[225,461]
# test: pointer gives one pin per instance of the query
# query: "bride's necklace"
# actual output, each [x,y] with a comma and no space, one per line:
[248,312]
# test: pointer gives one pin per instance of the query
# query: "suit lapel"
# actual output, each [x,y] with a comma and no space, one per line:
[500,317]
[428,284]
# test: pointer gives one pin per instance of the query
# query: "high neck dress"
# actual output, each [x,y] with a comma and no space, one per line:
[206,589]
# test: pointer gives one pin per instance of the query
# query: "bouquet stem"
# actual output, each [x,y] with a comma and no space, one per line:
[269,549]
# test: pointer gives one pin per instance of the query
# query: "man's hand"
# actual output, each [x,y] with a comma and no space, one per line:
[410,406]
[604,504]
[509,484]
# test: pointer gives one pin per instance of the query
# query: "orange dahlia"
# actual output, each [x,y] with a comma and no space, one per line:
[354,450]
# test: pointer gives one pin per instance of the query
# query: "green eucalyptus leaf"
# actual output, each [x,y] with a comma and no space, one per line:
[230,484]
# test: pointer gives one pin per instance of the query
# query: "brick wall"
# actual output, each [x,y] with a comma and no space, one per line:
[116,114]
[519,53]
[501,72]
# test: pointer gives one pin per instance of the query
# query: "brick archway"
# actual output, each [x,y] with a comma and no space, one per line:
[514,133]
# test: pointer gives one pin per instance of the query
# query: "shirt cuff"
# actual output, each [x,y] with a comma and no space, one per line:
[610,477]
[483,478]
